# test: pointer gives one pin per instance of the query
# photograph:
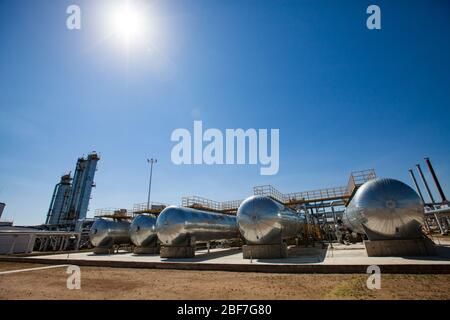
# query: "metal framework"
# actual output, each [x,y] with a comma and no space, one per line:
[437,214]
[42,241]
[437,219]
[152,207]
[357,178]
[196,202]
[314,202]
[296,198]
[114,213]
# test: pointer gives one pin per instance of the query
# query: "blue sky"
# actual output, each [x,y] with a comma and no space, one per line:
[344,97]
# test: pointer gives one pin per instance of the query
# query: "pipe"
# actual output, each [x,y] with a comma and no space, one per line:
[436,181]
[438,211]
[336,203]
[425,183]
[438,222]
[2,207]
[49,214]
[413,177]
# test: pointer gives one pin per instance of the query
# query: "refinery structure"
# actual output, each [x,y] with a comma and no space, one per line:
[384,213]
[382,217]
[66,226]
[71,196]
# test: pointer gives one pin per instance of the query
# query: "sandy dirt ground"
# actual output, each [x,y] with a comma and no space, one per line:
[115,283]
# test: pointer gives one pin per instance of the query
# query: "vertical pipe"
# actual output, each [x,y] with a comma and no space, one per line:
[151,161]
[78,242]
[425,183]
[413,177]
[2,207]
[436,181]
[334,214]
[50,209]
[150,185]
[425,223]
[438,222]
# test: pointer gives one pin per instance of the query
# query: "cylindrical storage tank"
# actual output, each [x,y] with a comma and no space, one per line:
[107,233]
[180,226]
[143,231]
[385,209]
[263,220]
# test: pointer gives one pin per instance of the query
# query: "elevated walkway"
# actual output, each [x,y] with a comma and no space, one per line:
[344,193]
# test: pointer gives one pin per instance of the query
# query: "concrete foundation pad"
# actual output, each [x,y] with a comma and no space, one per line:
[99,250]
[333,259]
[146,250]
[401,247]
[177,252]
[264,251]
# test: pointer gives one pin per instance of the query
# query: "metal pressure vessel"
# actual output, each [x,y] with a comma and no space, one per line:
[143,230]
[385,209]
[263,220]
[180,226]
[106,233]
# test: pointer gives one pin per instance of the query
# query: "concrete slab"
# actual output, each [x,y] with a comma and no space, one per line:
[401,247]
[267,251]
[332,259]
[146,250]
[177,252]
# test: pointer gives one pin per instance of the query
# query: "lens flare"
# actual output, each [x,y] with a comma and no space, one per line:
[128,23]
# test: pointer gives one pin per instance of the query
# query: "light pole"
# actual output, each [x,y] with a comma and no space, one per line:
[151,161]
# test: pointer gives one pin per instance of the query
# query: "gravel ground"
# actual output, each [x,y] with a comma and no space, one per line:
[115,283]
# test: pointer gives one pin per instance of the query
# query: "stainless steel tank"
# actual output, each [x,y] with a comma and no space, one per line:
[385,209]
[180,226]
[263,220]
[106,233]
[143,231]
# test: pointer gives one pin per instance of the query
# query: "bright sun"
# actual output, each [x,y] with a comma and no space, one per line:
[128,23]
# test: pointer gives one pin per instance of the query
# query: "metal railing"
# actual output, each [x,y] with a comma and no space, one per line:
[270,191]
[328,193]
[106,212]
[200,202]
[145,207]
[312,195]
[358,178]
[230,205]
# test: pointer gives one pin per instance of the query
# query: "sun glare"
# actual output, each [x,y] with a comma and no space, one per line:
[128,23]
